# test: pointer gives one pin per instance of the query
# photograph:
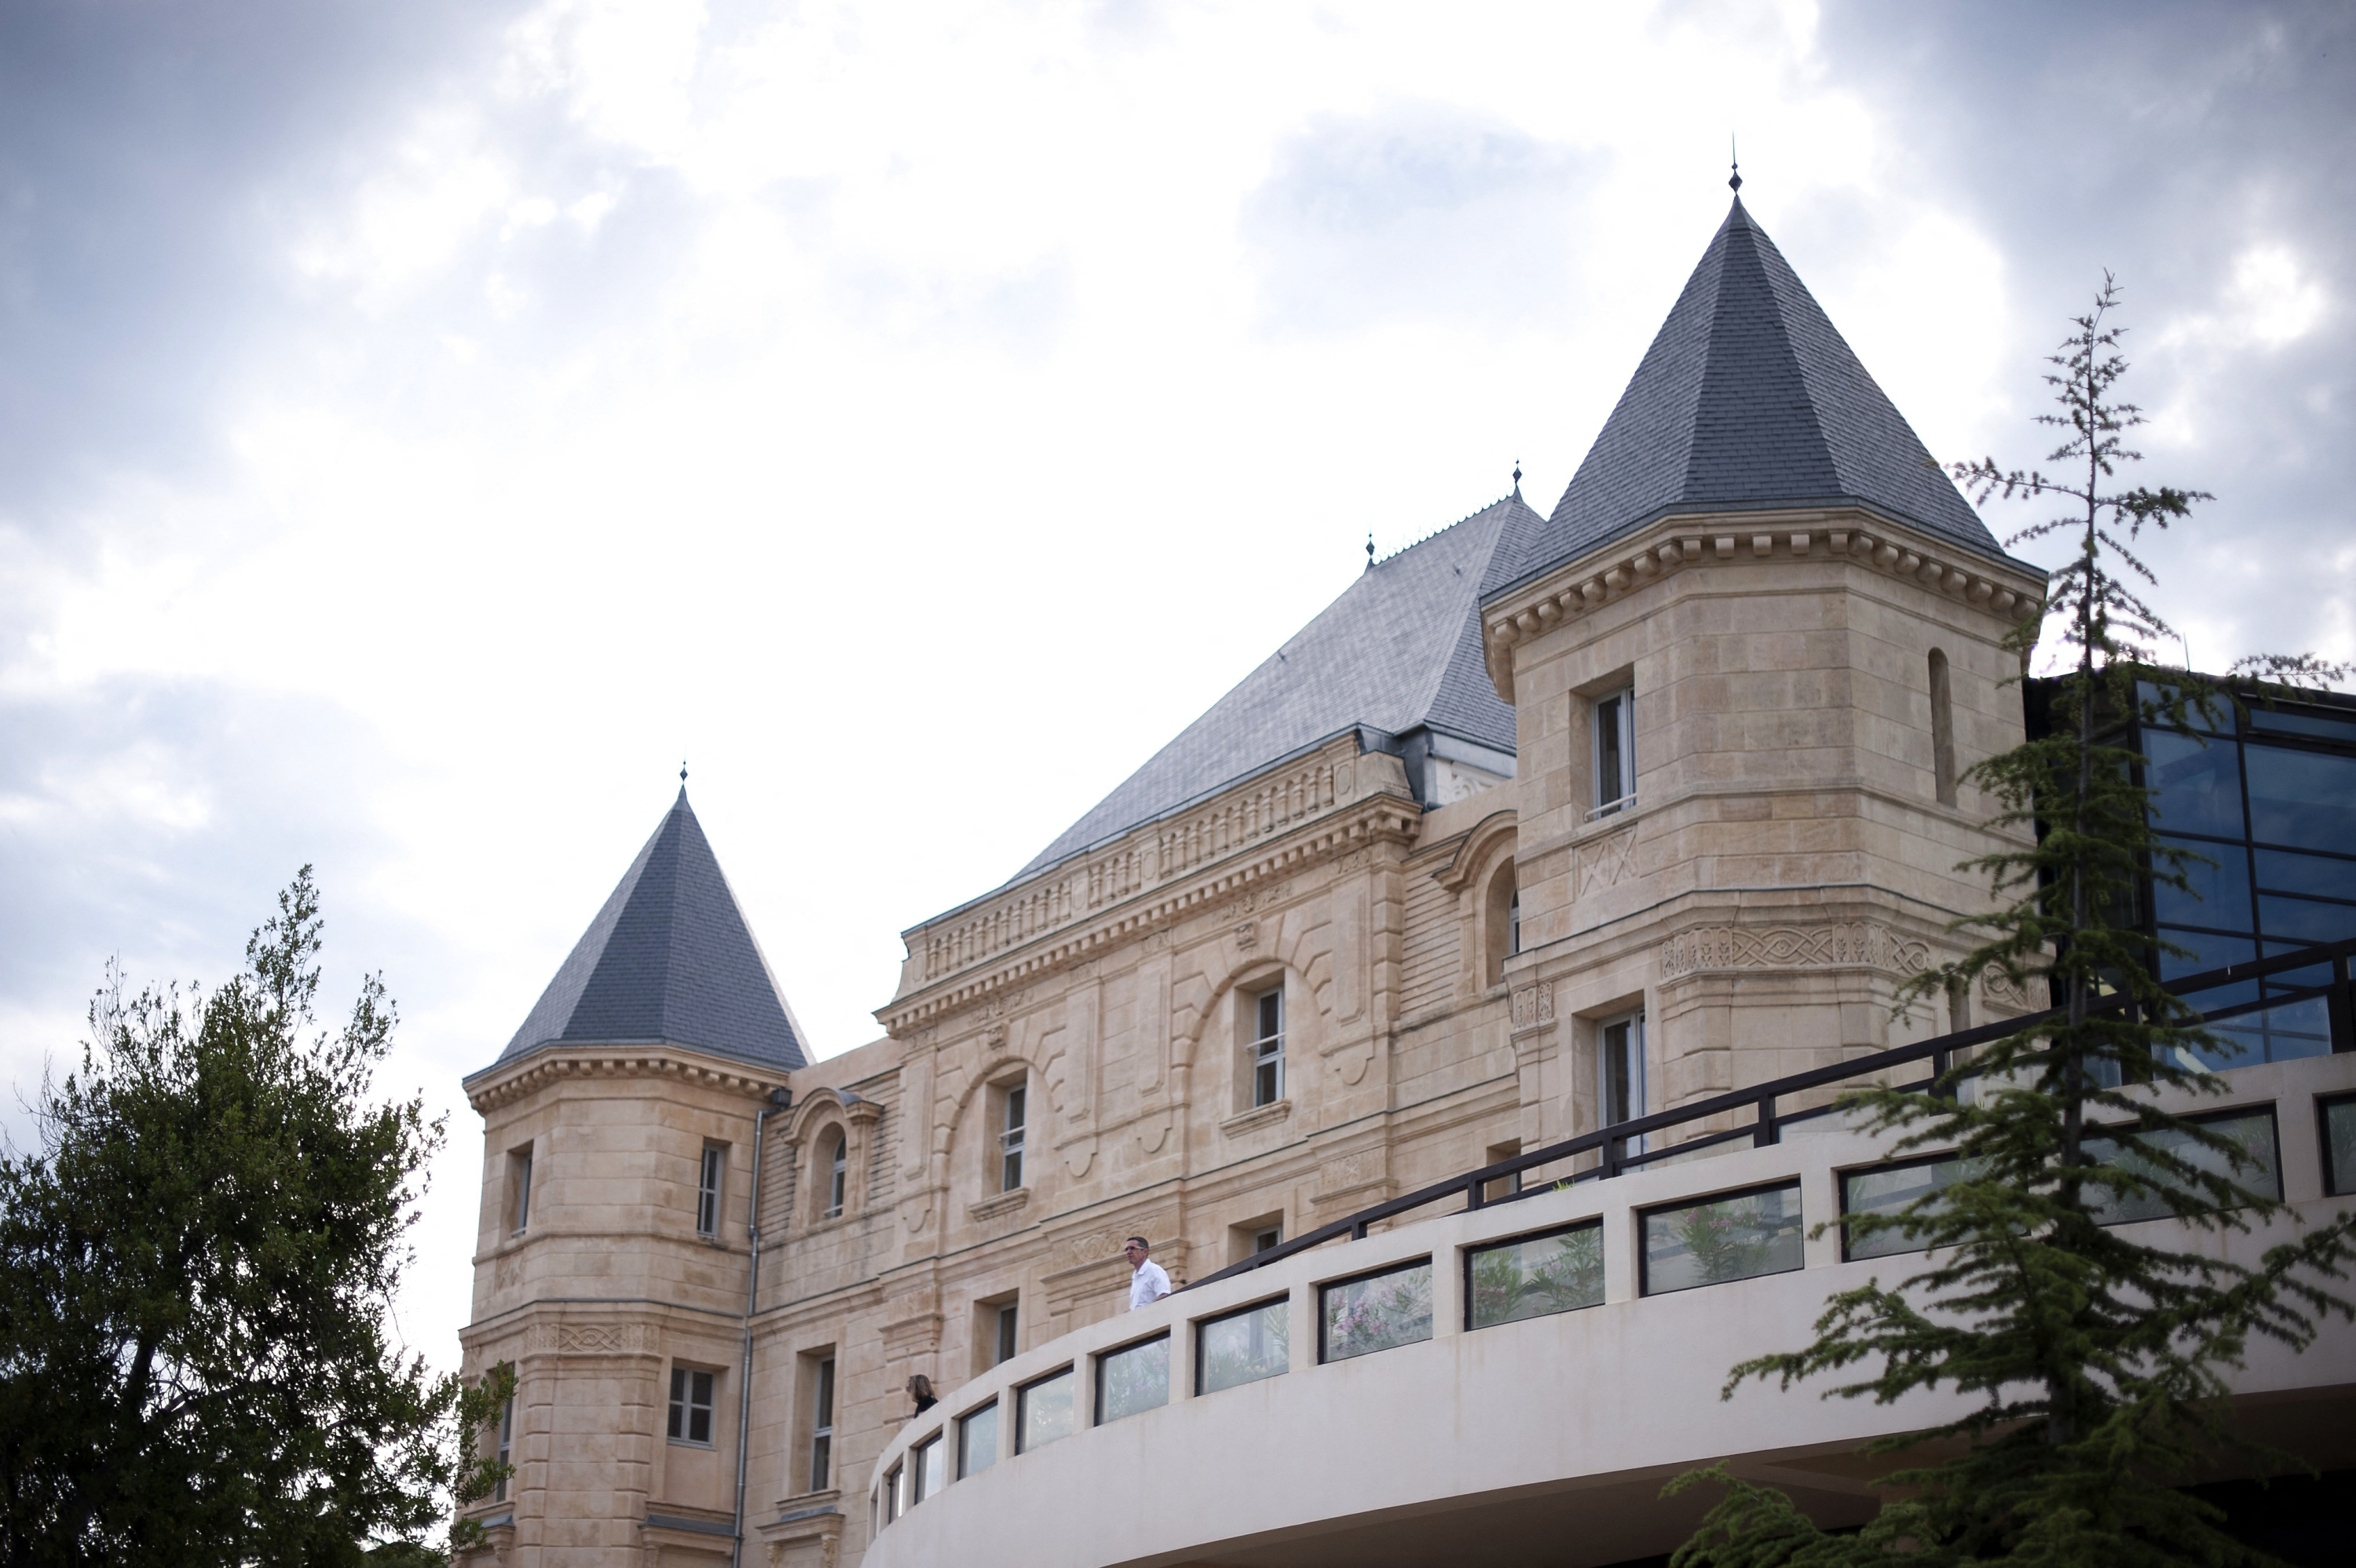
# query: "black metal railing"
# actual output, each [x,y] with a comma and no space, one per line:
[1612,1143]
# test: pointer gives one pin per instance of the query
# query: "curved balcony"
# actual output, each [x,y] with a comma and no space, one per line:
[1524,1376]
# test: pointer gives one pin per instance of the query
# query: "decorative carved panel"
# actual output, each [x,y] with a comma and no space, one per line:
[1858,945]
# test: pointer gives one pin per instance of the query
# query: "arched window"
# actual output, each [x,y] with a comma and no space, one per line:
[1943,731]
[837,1168]
[1502,923]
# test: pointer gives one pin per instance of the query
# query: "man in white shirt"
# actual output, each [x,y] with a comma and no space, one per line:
[1149,1283]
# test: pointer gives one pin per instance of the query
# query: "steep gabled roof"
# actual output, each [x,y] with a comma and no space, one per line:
[669,959]
[1401,648]
[1749,398]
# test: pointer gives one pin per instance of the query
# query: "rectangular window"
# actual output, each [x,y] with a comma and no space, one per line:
[2340,1147]
[977,1441]
[822,1428]
[1375,1312]
[520,1186]
[690,1406]
[1010,1139]
[1133,1380]
[928,1464]
[1243,1346]
[1615,753]
[1043,1412]
[1533,1277]
[896,1493]
[507,1439]
[1741,1236]
[838,1175]
[707,1191]
[1620,1058]
[1268,1048]
[1267,1241]
[1006,1334]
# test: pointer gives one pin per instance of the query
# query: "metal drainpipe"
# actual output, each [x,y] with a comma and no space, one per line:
[779,1100]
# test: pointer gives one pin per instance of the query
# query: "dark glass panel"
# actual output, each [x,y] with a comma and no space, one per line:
[2220,875]
[2295,979]
[2339,1144]
[2280,871]
[2199,786]
[2216,716]
[2205,952]
[2306,919]
[2332,724]
[2304,799]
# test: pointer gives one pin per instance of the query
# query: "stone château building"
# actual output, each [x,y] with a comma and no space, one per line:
[1547,821]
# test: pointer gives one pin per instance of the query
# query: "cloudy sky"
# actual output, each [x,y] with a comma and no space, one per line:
[422,426]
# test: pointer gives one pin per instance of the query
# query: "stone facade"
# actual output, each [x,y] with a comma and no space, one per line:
[1453,948]
[1786,865]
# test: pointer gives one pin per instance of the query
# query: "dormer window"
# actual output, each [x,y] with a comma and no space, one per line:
[1267,1050]
[838,1170]
[1615,753]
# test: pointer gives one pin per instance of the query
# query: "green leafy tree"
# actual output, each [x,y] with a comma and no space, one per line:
[197,1270]
[2094,1363]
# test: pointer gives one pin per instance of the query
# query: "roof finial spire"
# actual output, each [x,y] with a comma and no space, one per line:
[1734,155]
[1518,476]
[682,772]
[1370,550]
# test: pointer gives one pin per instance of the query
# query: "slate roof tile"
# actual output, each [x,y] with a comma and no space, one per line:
[1749,398]
[1400,647]
[670,959]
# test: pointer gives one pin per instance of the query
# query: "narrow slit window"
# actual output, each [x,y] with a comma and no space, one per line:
[822,1428]
[1010,1139]
[1615,753]
[690,1406]
[506,1441]
[1268,1048]
[1006,1333]
[520,1181]
[1942,730]
[838,1164]
[707,1191]
[1620,1045]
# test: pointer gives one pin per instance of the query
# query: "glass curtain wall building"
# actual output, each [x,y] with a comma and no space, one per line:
[2266,794]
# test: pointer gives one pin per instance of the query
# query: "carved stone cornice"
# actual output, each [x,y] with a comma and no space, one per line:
[504,1084]
[1059,930]
[2006,590]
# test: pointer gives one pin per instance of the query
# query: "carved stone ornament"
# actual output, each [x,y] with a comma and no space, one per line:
[1603,863]
[1534,1005]
[1850,944]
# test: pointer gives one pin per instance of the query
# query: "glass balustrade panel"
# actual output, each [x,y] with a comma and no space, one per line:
[1380,1312]
[1244,1346]
[1132,1380]
[1533,1277]
[1045,1412]
[978,1440]
[1741,1236]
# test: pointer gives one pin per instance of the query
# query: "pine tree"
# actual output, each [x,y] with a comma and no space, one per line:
[2096,1362]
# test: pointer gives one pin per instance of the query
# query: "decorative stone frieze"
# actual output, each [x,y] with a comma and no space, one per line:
[1863,945]
[1533,1005]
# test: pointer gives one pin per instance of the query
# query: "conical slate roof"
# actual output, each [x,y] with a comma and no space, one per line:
[1400,649]
[1749,398]
[670,959]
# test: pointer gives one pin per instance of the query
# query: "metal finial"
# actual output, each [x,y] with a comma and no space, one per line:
[1370,553]
[682,772]
[1518,476]
[1734,155]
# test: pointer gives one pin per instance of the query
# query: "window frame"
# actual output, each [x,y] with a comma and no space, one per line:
[838,1174]
[505,1445]
[519,1189]
[1163,1337]
[821,1452]
[1622,726]
[1634,1019]
[684,1407]
[1264,1051]
[1203,1325]
[1792,1184]
[1006,1326]
[710,1180]
[1472,1251]
[1013,1112]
